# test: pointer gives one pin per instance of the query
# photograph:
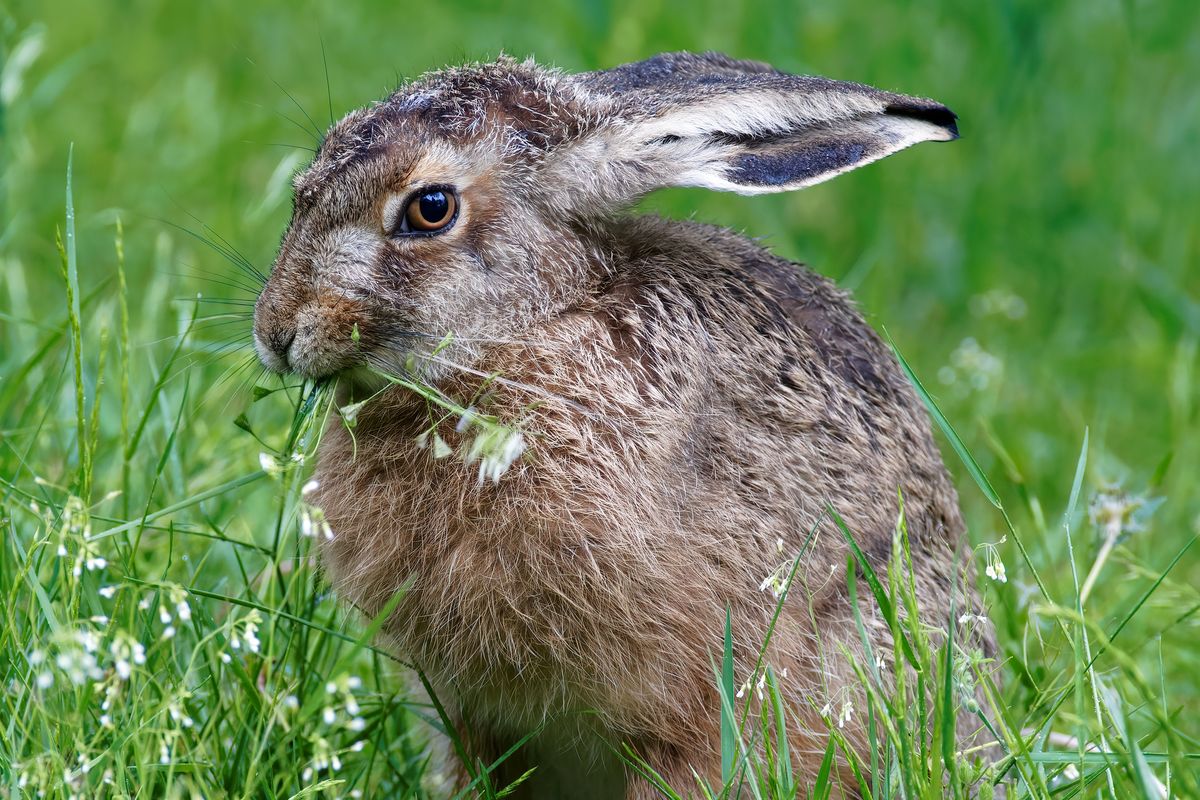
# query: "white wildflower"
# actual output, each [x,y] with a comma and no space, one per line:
[313,522]
[846,712]
[497,451]
[78,665]
[977,368]
[1118,514]
[89,640]
[107,592]
[126,652]
[440,448]
[998,302]
[309,488]
[270,465]
[179,714]
[245,631]
[777,581]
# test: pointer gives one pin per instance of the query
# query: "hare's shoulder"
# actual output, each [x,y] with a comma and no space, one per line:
[702,292]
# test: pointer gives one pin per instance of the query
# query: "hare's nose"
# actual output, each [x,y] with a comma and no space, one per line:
[273,343]
[280,340]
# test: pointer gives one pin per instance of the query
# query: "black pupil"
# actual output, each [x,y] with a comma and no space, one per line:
[434,206]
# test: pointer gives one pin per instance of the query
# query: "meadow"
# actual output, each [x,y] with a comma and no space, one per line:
[164,630]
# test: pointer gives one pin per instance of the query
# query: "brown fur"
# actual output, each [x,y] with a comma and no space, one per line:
[691,401]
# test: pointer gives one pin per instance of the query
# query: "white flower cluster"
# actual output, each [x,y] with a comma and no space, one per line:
[994,567]
[312,518]
[497,448]
[243,632]
[126,652]
[778,580]
[998,302]
[176,608]
[759,685]
[342,711]
[1118,514]
[275,466]
[75,525]
[75,660]
[845,711]
[971,368]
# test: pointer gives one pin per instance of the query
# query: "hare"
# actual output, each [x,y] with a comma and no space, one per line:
[692,405]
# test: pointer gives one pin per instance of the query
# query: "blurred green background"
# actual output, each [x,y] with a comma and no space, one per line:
[1039,274]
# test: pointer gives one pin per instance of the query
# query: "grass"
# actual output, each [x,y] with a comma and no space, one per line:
[164,630]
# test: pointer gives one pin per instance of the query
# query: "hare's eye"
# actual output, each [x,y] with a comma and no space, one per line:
[428,211]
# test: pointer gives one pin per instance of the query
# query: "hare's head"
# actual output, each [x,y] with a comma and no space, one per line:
[460,206]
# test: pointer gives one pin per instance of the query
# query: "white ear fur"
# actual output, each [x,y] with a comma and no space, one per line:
[708,121]
[786,144]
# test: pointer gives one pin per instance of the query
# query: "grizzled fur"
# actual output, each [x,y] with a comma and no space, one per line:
[692,403]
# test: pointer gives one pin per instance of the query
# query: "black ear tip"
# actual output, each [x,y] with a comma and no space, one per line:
[932,113]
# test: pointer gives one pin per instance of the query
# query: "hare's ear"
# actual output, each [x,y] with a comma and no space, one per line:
[681,119]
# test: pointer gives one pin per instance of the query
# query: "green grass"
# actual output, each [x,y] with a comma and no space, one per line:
[1039,276]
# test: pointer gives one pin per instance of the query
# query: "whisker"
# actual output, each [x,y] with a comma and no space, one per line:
[224,301]
[229,256]
[230,252]
[229,282]
[328,91]
[219,320]
[241,366]
[245,262]
[312,150]
[293,99]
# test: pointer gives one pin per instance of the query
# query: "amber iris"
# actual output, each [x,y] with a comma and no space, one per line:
[431,210]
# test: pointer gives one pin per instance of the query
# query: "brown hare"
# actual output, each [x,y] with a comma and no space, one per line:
[692,404]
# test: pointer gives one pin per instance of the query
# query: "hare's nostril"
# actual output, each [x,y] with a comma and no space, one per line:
[280,340]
